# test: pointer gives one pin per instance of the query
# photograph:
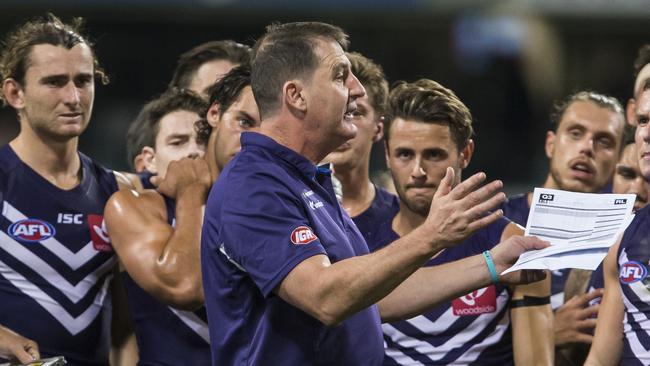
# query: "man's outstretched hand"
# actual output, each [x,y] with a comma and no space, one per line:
[505,255]
[458,212]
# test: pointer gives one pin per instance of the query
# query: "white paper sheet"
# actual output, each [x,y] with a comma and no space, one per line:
[580,227]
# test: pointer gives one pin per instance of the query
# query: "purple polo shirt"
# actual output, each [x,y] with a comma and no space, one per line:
[270,209]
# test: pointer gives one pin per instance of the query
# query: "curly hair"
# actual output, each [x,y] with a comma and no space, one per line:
[17,46]
[224,92]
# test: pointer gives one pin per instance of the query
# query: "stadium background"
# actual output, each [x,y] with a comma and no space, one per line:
[507,60]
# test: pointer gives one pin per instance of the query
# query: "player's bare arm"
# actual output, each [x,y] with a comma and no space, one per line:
[608,338]
[430,286]
[332,292]
[163,260]
[531,317]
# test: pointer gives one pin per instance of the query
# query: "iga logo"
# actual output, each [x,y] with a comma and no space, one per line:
[476,302]
[302,235]
[98,233]
[31,230]
[632,272]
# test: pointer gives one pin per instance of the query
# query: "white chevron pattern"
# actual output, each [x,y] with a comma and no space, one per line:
[643,294]
[440,325]
[52,276]
[73,260]
[194,322]
[74,325]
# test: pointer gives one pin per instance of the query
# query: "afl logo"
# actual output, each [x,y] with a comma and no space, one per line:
[302,235]
[632,272]
[31,230]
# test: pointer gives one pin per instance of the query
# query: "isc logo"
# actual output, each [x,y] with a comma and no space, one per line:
[632,272]
[302,235]
[31,230]
[68,218]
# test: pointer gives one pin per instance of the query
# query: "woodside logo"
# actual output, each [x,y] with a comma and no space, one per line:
[302,235]
[477,302]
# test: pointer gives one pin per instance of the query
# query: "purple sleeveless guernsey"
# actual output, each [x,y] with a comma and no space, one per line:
[56,260]
[633,257]
[471,330]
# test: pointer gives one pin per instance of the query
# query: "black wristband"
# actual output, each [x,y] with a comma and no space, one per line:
[530,301]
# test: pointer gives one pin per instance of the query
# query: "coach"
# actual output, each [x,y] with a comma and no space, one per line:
[287,276]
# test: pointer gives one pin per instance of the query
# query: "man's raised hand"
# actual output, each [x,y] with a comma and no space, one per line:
[458,212]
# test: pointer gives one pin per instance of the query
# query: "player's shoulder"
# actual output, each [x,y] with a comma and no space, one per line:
[517,201]
[96,172]
[643,214]
[128,181]
[8,160]
[127,202]
[249,174]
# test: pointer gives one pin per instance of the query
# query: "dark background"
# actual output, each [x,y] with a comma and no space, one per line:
[507,60]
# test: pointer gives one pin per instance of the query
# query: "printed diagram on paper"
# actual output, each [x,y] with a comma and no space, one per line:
[580,227]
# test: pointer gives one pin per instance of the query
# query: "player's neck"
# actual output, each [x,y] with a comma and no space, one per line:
[550,183]
[298,135]
[406,220]
[286,134]
[56,161]
[358,191]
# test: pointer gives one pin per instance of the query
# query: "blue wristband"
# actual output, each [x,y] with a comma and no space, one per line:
[490,266]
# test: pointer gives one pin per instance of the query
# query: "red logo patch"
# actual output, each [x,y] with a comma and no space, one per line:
[476,302]
[98,233]
[302,235]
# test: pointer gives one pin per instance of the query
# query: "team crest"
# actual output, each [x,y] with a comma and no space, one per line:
[631,272]
[477,302]
[302,235]
[98,233]
[31,230]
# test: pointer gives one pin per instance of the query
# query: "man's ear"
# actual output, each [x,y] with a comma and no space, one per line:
[466,154]
[214,115]
[293,94]
[549,147]
[138,163]
[13,93]
[379,130]
[149,159]
[630,112]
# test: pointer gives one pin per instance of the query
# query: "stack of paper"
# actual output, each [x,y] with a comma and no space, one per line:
[580,227]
